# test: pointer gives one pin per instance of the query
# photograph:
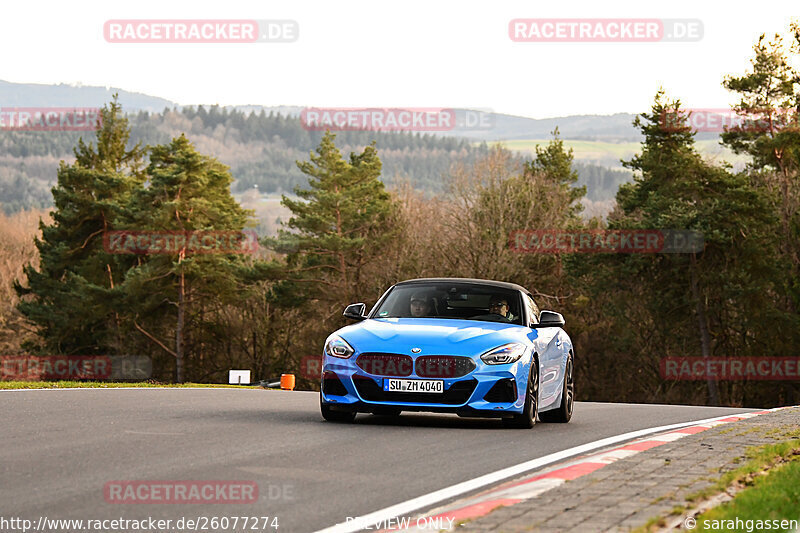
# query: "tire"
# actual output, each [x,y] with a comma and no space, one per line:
[345,417]
[527,419]
[563,414]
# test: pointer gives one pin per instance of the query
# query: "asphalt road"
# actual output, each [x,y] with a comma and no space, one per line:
[59,448]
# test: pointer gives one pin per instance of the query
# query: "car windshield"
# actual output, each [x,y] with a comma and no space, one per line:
[453,301]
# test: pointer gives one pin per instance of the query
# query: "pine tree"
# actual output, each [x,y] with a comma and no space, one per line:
[168,295]
[770,134]
[89,196]
[555,164]
[338,224]
[725,285]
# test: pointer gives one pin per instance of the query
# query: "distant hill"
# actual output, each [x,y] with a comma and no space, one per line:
[611,128]
[63,95]
[616,128]
[606,128]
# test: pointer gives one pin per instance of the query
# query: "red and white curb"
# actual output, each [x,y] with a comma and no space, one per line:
[511,493]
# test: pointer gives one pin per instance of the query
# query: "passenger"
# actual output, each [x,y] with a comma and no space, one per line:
[499,306]
[420,305]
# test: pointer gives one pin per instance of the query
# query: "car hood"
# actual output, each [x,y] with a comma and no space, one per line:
[434,336]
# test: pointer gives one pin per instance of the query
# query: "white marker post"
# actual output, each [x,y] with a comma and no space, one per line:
[239,377]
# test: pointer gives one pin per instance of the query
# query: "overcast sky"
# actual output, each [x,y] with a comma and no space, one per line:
[424,53]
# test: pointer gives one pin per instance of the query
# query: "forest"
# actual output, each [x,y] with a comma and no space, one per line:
[261,150]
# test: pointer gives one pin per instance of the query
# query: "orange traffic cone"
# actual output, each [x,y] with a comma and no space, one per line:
[287,381]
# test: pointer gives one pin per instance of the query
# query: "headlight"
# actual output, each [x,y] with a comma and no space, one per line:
[336,346]
[507,353]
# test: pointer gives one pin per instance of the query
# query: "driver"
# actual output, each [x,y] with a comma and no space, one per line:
[499,306]
[420,305]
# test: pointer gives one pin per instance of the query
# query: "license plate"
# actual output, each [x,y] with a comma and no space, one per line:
[413,385]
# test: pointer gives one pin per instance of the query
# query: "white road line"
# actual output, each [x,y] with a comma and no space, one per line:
[432,498]
[672,437]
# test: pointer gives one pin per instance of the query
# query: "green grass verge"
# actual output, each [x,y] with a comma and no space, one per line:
[758,458]
[108,385]
[774,496]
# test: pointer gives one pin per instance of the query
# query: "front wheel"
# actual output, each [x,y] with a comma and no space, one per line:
[564,412]
[527,419]
[335,416]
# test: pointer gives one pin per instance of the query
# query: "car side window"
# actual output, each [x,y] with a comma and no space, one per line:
[532,310]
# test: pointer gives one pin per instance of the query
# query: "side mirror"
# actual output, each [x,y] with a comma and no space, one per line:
[355,311]
[549,319]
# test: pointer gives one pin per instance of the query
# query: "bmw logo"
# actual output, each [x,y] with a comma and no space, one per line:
[416,350]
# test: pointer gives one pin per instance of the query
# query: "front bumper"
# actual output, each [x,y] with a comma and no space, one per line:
[487,391]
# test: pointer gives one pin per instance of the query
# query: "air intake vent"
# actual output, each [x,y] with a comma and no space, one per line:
[385,364]
[504,391]
[444,366]
[458,393]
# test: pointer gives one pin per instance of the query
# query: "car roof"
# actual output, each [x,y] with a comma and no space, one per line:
[473,281]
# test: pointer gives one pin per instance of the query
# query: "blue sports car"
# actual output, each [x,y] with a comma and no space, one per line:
[466,346]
